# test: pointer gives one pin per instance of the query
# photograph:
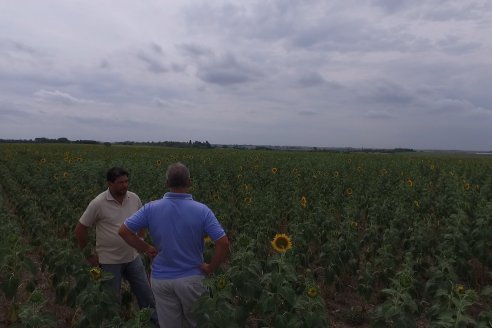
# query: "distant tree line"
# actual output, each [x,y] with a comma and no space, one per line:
[206,145]
[180,144]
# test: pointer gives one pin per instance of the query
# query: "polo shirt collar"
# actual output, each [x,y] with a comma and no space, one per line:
[175,195]
[109,196]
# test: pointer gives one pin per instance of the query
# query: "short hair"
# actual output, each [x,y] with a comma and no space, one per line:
[116,172]
[177,175]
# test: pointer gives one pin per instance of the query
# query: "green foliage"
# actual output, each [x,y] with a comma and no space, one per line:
[31,313]
[401,230]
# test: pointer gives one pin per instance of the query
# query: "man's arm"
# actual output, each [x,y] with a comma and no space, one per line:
[136,242]
[81,232]
[221,252]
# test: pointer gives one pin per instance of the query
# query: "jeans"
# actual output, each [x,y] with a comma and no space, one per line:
[134,273]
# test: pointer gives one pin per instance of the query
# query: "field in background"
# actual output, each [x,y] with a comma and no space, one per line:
[387,240]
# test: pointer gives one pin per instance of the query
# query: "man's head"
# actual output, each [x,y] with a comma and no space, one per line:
[177,176]
[117,179]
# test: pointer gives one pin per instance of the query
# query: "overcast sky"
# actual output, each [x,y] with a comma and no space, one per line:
[347,73]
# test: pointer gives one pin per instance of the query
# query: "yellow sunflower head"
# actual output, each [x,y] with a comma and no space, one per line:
[459,289]
[466,186]
[95,273]
[221,282]
[348,192]
[281,243]
[248,200]
[409,182]
[207,240]
[66,174]
[312,291]
[274,170]
[158,162]
[304,201]
[247,187]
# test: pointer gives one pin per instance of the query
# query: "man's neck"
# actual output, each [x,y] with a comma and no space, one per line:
[179,190]
[119,199]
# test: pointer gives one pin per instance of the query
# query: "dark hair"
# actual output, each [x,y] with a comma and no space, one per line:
[177,175]
[115,172]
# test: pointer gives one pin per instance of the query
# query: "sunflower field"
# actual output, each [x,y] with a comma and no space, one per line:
[318,239]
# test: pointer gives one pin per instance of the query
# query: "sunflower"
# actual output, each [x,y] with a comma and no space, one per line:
[221,282]
[95,273]
[247,187]
[466,186]
[43,160]
[248,200]
[304,201]
[281,243]
[336,174]
[409,182]
[416,203]
[354,224]
[207,240]
[459,289]
[348,192]
[158,162]
[66,174]
[312,291]
[274,170]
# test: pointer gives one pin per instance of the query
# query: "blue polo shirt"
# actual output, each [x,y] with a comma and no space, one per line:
[177,225]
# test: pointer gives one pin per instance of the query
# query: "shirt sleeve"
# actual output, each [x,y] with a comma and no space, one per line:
[90,215]
[138,220]
[212,226]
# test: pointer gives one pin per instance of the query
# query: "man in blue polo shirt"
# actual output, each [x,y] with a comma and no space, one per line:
[177,225]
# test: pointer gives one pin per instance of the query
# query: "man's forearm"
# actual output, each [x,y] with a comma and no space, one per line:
[221,253]
[133,239]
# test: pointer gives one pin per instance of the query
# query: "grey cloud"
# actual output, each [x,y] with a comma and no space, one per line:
[194,50]
[226,70]
[356,36]
[261,20]
[458,11]
[378,114]
[153,64]
[308,112]
[104,64]
[114,123]
[456,46]
[57,96]
[171,102]
[460,106]
[153,58]
[13,112]
[12,46]
[156,48]
[388,93]
[311,79]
